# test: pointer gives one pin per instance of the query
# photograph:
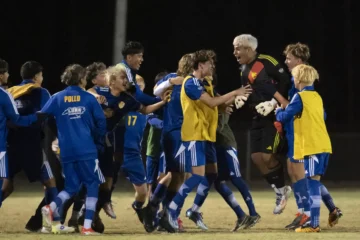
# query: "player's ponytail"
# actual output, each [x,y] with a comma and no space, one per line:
[73,75]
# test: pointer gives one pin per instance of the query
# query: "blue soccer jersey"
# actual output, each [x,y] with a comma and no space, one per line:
[79,119]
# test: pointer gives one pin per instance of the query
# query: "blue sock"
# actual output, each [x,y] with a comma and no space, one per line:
[229,198]
[302,196]
[90,203]
[203,191]
[314,187]
[57,205]
[169,196]
[50,194]
[183,192]
[245,192]
[327,199]
[1,183]
[159,194]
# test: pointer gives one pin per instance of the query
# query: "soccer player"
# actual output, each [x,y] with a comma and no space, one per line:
[154,149]
[198,126]
[174,150]
[8,111]
[80,121]
[297,54]
[30,97]
[270,84]
[311,139]
[133,53]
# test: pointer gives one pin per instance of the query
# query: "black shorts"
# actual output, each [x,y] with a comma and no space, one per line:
[263,135]
[25,153]
[106,161]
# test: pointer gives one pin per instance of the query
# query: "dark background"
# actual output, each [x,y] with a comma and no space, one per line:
[58,33]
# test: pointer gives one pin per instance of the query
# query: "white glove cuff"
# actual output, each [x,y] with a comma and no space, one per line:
[274,102]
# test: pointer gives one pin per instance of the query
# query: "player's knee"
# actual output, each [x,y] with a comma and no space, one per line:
[49,183]
[217,184]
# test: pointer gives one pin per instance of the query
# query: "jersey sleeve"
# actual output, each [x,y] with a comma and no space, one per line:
[193,89]
[280,77]
[143,98]
[48,108]
[11,112]
[99,117]
[45,96]
[293,108]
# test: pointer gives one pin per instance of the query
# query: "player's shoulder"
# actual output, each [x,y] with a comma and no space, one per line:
[267,59]
[4,93]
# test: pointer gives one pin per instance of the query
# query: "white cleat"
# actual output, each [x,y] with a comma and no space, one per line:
[45,230]
[282,196]
[46,219]
[61,229]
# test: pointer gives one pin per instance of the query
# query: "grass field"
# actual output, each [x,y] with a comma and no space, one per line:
[217,215]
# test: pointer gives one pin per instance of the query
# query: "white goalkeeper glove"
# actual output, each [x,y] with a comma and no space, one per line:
[240,101]
[267,107]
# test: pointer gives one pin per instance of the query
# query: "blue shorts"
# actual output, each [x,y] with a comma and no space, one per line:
[228,163]
[210,153]
[4,167]
[133,168]
[151,169]
[162,164]
[82,172]
[316,164]
[291,159]
[176,152]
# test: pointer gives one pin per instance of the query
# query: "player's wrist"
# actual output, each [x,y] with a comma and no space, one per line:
[274,102]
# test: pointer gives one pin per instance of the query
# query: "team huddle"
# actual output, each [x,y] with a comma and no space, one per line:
[95,126]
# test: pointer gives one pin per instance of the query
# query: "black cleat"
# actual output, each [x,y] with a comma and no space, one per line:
[74,223]
[34,224]
[97,225]
[241,222]
[252,221]
[149,217]
[295,223]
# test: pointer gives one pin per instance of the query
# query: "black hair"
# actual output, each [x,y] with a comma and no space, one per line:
[30,69]
[4,66]
[132,48]
[73,74]
[160,76]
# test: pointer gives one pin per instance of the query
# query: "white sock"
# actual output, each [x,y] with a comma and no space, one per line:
[307,213]
[195,208]
[300,210]
[87,223]
[53,206]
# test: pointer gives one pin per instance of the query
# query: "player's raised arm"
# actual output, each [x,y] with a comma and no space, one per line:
[291,110]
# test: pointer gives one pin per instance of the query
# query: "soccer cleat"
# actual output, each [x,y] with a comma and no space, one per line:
[305,220]
[97,225]
[307,229]
[172,220]
[108,209]
[295,223]
[34,224]
[197,218]
[253,220]
[181,226]
[47,218]
[45,230]
[74,224]
[61,229]
[281,200]
[164,222]
[240,223]
[334,217]
[88,231]
[139,212]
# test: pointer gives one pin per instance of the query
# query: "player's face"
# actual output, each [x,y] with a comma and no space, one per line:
[39,78]
[121,82]
[206,68]
[291,61]
[101,80]
[135,60]
[4,78]
[242,54]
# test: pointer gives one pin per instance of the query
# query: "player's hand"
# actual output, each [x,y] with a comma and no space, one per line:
[165,97]
[229,109]
[243,91]
[176,81]
[265,108]
[101,99]
[240,101]
[108,112]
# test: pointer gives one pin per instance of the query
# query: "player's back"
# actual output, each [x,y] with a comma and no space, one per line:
[173,115]
[135,124]
[73,109]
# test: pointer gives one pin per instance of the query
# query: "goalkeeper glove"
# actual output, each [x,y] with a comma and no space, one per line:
[240,101]
[267,107]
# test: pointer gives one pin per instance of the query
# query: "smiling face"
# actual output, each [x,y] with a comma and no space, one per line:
[291,61]
[135,60]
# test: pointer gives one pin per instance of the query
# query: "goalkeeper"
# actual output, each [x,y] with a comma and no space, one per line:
[270,84]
